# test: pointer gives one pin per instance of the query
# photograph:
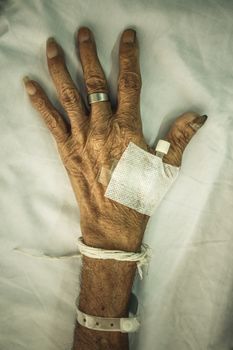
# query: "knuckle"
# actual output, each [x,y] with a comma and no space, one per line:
[51,122]
[130,80]
[40,104]
[69,96]
[129,53]
[71,158]
[129,128]
[60,138]
[179,139]
[55,67]
[187,135]
[96,83]
[194,127]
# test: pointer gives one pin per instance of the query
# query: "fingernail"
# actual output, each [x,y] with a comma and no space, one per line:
[29,86]
[198,122]
[129,36]
[52,48]
[203,118]
[84,34]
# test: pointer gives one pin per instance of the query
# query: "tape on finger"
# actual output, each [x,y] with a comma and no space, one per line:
[139,180]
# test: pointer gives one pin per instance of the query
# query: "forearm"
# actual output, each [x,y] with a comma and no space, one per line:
[105,291]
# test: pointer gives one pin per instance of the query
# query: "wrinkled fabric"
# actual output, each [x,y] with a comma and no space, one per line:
[186,51]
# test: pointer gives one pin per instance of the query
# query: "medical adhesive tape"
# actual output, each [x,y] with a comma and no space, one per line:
[139,179]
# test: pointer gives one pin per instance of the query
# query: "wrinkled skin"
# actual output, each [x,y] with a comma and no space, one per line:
[93,139]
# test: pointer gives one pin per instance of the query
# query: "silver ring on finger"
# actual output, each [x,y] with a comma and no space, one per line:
[97,97]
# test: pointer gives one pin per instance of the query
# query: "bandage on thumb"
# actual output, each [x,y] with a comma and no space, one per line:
[139,180]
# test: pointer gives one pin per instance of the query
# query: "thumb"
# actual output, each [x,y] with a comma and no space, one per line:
[180,134]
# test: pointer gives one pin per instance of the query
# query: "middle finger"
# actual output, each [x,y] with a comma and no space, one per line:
[93,73]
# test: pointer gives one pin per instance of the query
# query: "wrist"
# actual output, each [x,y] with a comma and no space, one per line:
[106,287]
[85,338]
[113,230]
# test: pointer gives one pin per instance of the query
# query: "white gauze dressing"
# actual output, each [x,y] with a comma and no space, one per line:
[140,180]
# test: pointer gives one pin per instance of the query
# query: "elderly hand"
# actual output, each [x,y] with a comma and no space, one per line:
[93,139]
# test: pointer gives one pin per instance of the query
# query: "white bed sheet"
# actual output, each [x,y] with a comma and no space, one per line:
[186,51]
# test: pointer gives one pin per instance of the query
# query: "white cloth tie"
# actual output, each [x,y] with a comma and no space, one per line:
[142,258]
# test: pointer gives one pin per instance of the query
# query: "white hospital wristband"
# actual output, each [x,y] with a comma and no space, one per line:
[109,324]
